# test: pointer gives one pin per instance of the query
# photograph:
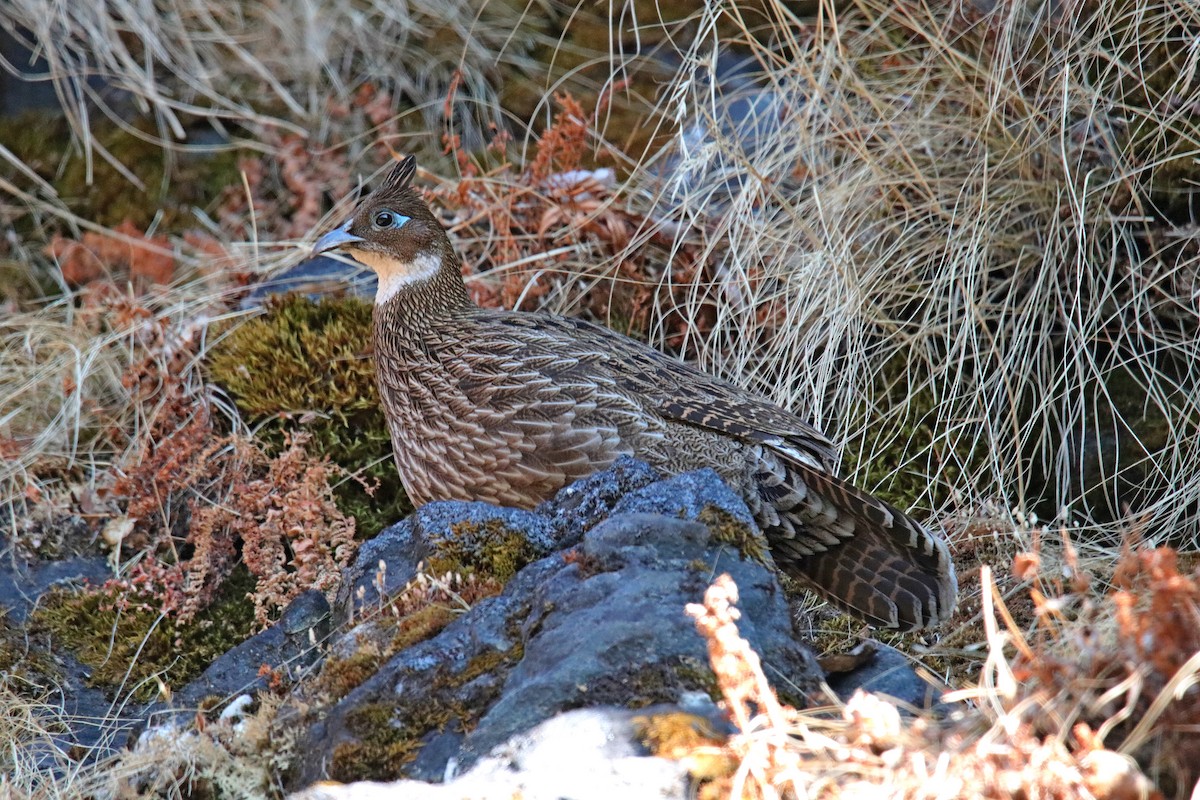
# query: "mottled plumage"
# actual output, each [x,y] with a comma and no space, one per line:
[509,407]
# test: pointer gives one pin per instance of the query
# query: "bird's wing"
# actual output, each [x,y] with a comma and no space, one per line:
[520,418]
[677,391]
[856,549]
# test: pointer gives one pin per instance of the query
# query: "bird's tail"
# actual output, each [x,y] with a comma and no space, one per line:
[861,553]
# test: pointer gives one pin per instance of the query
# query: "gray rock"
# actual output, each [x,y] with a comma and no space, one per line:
[317,277]
[889,672]
[576,508]
[687,496]
[21,584]
[600,625]
[703,170]
[290,645]
[621,635]
[94,727]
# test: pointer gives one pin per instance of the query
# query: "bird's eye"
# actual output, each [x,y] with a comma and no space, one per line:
[386,218]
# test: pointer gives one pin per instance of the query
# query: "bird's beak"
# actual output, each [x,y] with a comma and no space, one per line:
[337,238]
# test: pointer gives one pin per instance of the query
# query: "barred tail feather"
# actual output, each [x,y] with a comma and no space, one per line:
[886,566]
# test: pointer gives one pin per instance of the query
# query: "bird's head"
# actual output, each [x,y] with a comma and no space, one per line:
[394,233]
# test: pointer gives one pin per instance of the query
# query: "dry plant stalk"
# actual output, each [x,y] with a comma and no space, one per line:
[278,513]
[763,723]
[1006,747]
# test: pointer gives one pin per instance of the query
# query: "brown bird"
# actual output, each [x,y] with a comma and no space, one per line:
[509,407]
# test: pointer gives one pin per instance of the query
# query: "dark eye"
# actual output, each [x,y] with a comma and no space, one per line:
[386,218]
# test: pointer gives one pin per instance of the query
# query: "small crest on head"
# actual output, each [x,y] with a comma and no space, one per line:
[401,174]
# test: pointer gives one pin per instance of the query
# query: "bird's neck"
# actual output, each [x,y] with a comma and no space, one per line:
[415,320]
[414,293]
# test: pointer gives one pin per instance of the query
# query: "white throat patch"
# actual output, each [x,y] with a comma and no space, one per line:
[394,275]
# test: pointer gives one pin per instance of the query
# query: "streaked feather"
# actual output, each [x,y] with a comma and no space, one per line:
[510,407]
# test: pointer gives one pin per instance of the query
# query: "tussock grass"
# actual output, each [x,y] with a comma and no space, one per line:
[938,201]
[265,65]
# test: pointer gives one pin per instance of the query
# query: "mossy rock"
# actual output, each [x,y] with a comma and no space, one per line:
[305,365]
[128,649]
[491,550]
[678,735]
[728,529]
[20,657]
[651,684]
[390,734]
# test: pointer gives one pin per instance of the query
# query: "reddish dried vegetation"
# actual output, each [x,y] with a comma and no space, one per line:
[1104,689]
[284,196]
[529,235]
[1126,664]
[145,259]
[197,498]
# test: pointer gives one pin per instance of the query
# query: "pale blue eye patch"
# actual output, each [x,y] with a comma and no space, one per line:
[387,218]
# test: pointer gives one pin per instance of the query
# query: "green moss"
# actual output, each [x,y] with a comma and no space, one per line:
[490,549]
[382,748]
[420,625]
[486,663]
[19,284]
[126,649]
[28,663]
[12,649]
[679,735]
[389,734]
[305,365]
[726,528]
[171,186]
[340,676]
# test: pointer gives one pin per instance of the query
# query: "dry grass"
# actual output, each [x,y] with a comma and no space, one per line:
[958,205]
[960,242]
[1050,717]
[222,757]
[68,414]
[35,762]
[279,66]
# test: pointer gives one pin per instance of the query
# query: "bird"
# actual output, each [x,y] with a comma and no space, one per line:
[508,407]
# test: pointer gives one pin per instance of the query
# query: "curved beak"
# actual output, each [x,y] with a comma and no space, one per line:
[337,238]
